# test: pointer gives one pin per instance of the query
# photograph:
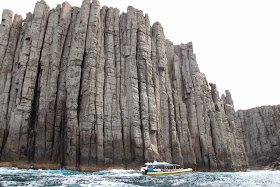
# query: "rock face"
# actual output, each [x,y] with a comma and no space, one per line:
[260,132]
[89,88]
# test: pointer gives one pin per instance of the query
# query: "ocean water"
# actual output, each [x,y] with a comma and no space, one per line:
[23,177]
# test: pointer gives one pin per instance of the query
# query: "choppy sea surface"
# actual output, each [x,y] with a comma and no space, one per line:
[23,177]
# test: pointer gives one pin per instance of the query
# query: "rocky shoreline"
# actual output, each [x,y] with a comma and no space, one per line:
[48,166]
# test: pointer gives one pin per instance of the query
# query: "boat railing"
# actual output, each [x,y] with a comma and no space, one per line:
[170,170]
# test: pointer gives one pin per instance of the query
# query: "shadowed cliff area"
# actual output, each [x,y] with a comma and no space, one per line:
[89,88]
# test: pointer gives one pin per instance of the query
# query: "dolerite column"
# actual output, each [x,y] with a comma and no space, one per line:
[170,147]
[203,104]
[126,128]
[235,146]
[22,117]
[56,32]
[156,127]
[73,78]
[113,146]
[6,78]
[87,115]
[20,60]
[189,96]
[239,155]
[6,24]
[59,147]
[180,107]
[158,60]
[109,88]
[40,127]
[9,45]
[117,126]
[197,100]
[131,84]
[149,72]
[100,89]
[142,58]
[221,134]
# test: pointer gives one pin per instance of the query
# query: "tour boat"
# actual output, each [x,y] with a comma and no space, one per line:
[163,168]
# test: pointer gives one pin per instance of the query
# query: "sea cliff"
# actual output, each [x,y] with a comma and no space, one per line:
[89,88]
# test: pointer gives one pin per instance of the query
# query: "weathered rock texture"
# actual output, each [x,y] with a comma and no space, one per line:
[89,88]
[259,129]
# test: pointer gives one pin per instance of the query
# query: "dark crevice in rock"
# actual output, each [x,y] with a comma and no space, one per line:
[78,148]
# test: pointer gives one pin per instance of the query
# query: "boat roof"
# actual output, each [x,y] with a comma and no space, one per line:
[161,164]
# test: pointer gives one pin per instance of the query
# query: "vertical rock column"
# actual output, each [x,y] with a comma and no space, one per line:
[131,84]
[100,89]
[8,57]
[142,60]
[230,154]
[117,126]
[126,128]
[109,86]
[41,127]
[189,96]
[56,32]
[20,60]
[113,145]
[170,147]
[73,78]
[159,59]
[220,139]
[59,147]
[239,154]
[157,125]
[197,98]
[22,117]
[6,78]
[5,27]
[87,115]
[180,107]
[150,84]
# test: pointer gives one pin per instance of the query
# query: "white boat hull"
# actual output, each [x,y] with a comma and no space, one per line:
[169,172]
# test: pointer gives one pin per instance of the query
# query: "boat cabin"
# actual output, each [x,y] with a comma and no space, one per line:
[161,167]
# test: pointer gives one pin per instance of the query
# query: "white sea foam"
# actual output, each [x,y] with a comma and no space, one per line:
[121,173]
[21,177]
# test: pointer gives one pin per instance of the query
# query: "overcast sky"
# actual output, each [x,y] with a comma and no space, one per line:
[237,42]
